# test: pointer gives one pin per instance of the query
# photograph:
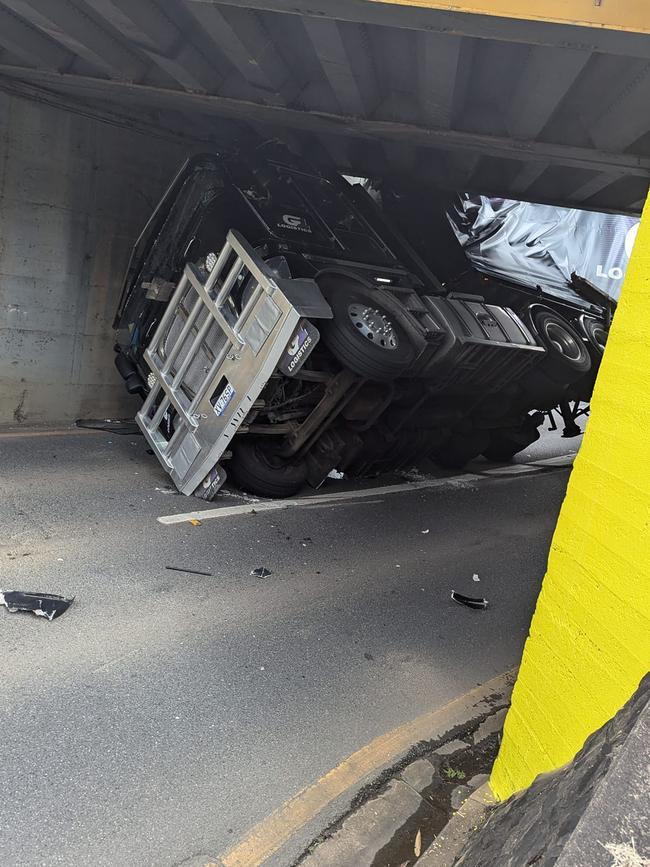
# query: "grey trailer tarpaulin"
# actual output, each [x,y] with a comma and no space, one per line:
[542,245]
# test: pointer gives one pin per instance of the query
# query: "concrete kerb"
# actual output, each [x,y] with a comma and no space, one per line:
[448,844]
[296,831]
[397,820]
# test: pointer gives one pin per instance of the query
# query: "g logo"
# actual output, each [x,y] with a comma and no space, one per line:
[291,220]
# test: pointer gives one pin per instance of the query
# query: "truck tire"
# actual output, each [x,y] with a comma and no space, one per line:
[567,358]
[257,468]
[595,333]
[363,335]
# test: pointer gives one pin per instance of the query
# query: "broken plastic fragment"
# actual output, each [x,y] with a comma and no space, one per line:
[469,601]
[48,605]
[335,474]
[475,577]
[195,522]
[261,572]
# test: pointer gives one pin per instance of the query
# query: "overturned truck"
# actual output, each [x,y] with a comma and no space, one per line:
[277,326]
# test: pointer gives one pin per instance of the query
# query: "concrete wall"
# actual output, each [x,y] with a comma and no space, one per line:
[589,642]
[74,195]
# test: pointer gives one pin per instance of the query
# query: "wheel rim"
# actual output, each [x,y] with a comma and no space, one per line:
[374,325]
[564,342]
[600,336]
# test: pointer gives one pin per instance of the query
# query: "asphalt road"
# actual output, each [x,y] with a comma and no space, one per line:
[166,713]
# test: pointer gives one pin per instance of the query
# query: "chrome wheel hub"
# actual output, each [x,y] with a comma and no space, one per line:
[374,325]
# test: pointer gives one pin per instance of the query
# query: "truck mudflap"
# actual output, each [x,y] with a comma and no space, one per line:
[219,341]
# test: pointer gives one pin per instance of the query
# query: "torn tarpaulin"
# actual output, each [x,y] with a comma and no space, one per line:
[469,601]
[48,605]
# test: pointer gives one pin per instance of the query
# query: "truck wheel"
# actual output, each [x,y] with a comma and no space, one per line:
[363,335]
[566,357]
[256,467]
[595,332]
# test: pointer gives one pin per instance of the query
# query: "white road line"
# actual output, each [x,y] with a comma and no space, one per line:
[514,470]
[559,461]
[329,499]
[337,504]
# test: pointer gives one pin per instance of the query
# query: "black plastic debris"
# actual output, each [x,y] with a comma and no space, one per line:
[125,427]
[189,571]
[261,572]
[48,605]
[469,601]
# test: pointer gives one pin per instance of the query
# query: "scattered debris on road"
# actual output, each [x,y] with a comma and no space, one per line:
[110,425]
[189,571]
[469,601]
[261,572]
[48,605]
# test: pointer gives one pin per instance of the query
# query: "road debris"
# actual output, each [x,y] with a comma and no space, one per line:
[189,571]
[335,474]
[195,522]
[261,572]
[475,577]
[48,605]
[424,532]
[126,427]
[469,601]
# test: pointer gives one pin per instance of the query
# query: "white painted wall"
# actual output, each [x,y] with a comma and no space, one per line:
[74,195]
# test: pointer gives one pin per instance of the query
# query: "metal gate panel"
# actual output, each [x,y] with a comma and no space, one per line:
[215,348]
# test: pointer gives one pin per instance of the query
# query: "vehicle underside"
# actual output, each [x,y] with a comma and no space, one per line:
[279,325]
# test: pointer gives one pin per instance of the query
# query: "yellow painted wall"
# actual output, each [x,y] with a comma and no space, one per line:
[632,15]
[589,641]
